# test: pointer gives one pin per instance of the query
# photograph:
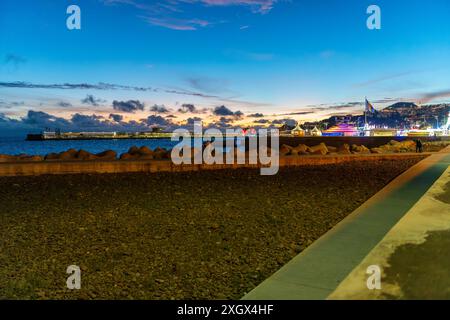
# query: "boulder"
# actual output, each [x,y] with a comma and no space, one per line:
[145,151]
[52,156]
[344,149]
[107,155]
[133,150]
[25,157]
[332,149]
[7,158]
[319,149]
[376,150]
[161,154]
[85,155]
[285,150]
[128,156]
[67,155]
[300,149]
[362,149]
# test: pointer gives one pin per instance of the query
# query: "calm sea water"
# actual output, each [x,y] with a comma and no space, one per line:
[18,145]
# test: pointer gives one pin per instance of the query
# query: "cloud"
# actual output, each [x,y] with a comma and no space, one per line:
[255,115]
[224,111]
[14,60]
[262,121]
[109,86]
[130,106]
[286,121]
[257,6]
[157,121]
[42,119]
[178,24]
[190,121]
[91,100]
[64,104]
[159,109]
[178,14]
[190,108]
[208,84]
[73,86]
[116,117]
[430,96]
[384,78]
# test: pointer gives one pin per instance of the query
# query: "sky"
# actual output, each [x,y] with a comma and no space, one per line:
[136,64]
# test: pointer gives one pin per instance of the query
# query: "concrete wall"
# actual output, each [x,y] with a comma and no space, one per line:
[121,166]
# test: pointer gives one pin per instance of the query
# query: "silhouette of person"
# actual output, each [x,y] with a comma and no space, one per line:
[419,146]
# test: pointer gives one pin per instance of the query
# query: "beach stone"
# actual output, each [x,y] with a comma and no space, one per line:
[107,155]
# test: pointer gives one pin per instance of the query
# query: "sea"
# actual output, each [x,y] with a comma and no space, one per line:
[18,145]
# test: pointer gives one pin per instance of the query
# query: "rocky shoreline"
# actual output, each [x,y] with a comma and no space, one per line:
[145,153]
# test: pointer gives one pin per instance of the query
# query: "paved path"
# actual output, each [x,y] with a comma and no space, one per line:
[404,229]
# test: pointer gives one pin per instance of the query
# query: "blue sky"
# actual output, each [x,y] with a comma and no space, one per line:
[303,60]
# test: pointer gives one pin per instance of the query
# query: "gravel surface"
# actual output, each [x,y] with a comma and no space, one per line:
[196,235]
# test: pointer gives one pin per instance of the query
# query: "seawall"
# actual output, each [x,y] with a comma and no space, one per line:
[124,166]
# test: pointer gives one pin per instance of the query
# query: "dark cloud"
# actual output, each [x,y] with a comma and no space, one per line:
[92,122]
[288,122]
[116,117]
[43,119]
[262,121]
[190,121]
[91,100]
[255,115]
[185,108]
[157,121]
[159,109]
[129,106]
[64,104]
[224,111]
[427,97]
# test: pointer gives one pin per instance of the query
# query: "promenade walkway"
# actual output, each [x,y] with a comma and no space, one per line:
[404,230]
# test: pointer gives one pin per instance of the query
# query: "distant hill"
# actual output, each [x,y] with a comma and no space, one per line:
[399,115]
[402,105]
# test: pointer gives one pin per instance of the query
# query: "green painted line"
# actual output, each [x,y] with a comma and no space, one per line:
[316,272]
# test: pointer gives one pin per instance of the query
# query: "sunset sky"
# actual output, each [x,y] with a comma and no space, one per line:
[137,63]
